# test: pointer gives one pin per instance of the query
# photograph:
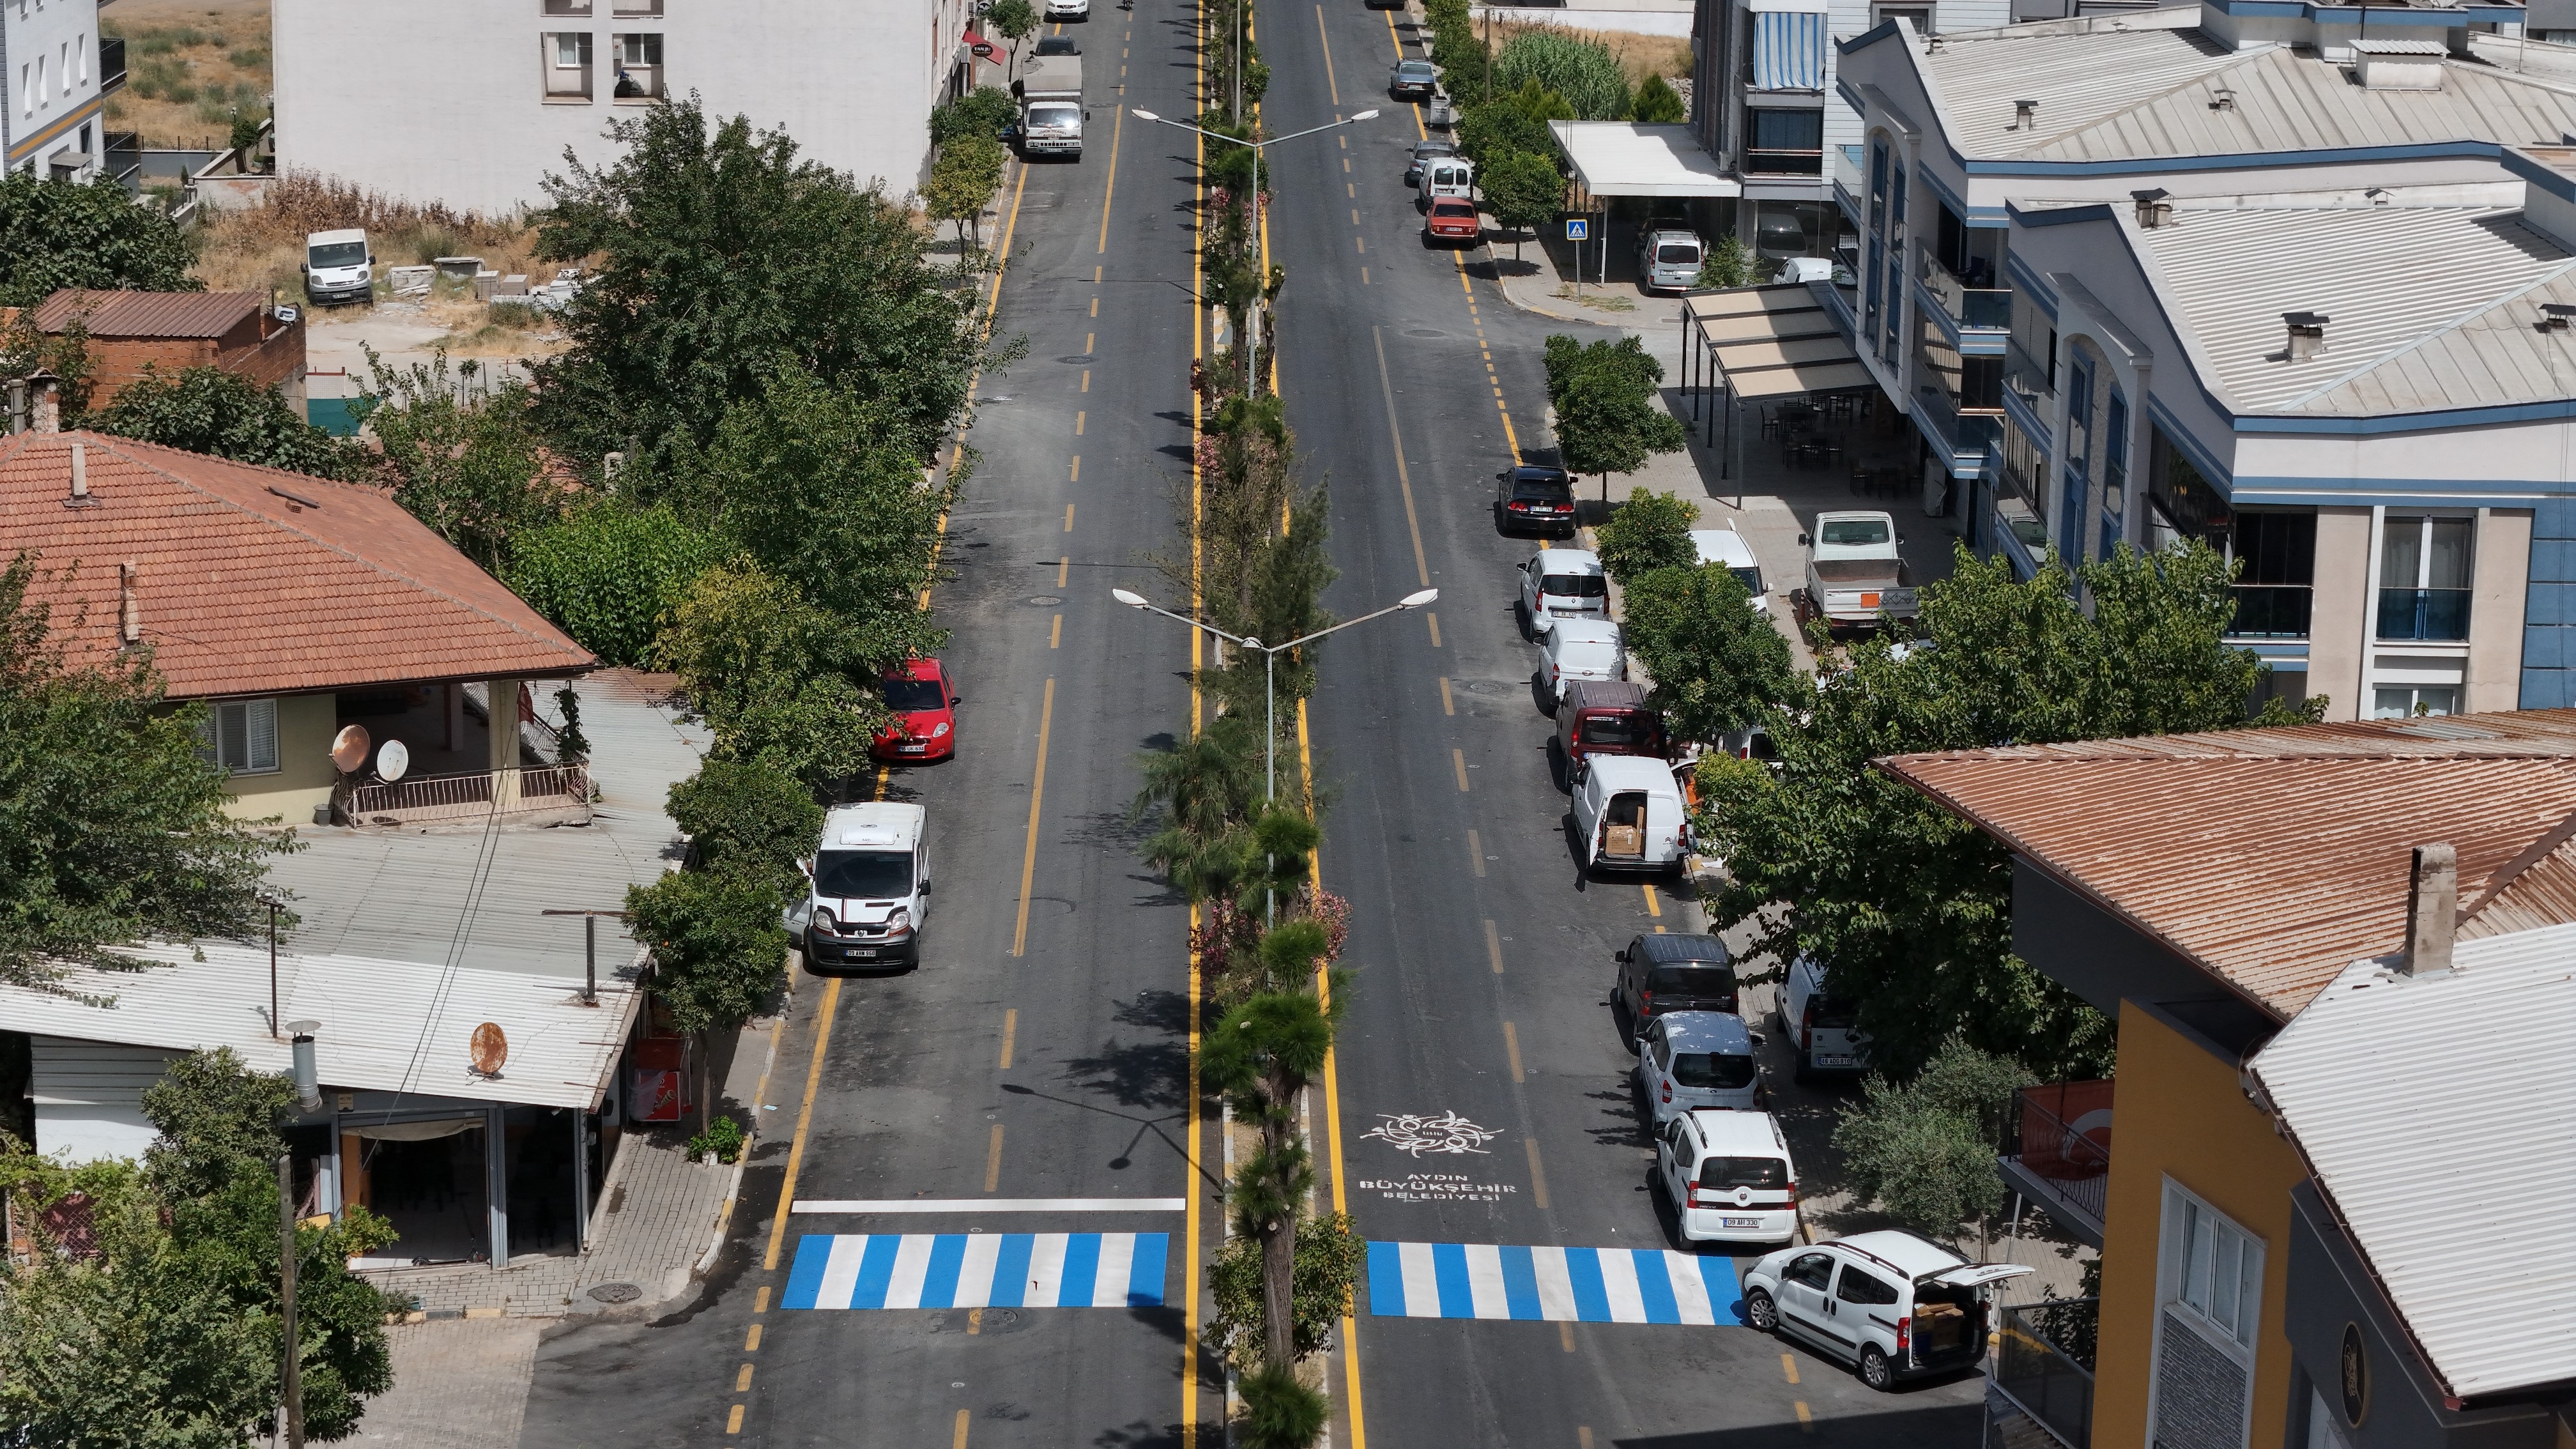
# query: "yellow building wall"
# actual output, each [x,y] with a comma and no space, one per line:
[304,774]
[2182,1115]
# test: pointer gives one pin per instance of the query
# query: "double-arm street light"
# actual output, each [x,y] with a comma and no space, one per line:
[1252,315]
[1270,659]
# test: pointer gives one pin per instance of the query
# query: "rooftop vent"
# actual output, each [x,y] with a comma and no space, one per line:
[2432,911]
[80,494]
[2307,334]
[2397,65]
[2155,208]
[2222,99]
[129,609]
[2378,196]
[2554,315]
[2025,115]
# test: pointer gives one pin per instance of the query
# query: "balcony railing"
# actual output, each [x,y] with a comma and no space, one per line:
[2431,615]
[2027,376]
[1784,163]
[2033,1368]
[111,63]
[2059,1155]
[1969,431]
[558,792]
[1983,307]
[1849,175]
[2271,611]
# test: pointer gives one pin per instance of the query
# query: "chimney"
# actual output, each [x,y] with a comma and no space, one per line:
[2025,115]
[48,404]
[80,476]
[129,610]
[2432,909]
[2222,99]
[2307,334]
[2155,208]
[2554,316]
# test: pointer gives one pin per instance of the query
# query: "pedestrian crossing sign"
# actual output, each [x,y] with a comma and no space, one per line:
[1578,228]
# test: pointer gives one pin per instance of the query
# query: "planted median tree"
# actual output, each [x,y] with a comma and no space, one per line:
[1523,191]
[1606,418]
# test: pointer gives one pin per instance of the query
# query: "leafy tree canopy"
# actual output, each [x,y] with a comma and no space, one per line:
[983,111]
[1648,532]
[746,816]
[1657,104]
[1523,190]
[471,471]
[1924,1151]
[609,573]
[1718,666]
[223,414]
[1582,71]
[1907,906]
[1729,263]
[719,952]
[773,676]
[112,826]
[57,234]
[1013,18]
[1512,121]
[1606,419]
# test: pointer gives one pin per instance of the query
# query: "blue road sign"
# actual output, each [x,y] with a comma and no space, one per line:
[1578,228]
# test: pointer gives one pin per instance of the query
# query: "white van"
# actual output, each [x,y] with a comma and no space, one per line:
[1726,546]
[1821,1027]
[1448,176]
[338,267]
[1582,646]
[868,891]
[1892,1304]
[1729,1177]
[1628,814]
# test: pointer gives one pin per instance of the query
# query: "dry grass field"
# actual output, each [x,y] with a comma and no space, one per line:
[191,67]
[1638,55]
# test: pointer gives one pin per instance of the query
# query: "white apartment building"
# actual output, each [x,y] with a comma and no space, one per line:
[473,102]
[55,73]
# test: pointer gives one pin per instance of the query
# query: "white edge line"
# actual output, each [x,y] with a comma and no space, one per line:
[991,1205]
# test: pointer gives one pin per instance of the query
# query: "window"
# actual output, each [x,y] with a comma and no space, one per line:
[567,7]
[1761,1173]
[2404,701]
[1784,142]
[1814,1270]
[1918,16]
[241,736]
[40,80]
[568,58]
[639,50]
[2276,555]
[1895,263]
[639,66]
[2209,1289]
[1877,187]
[2220,1275]
[2424,577]
[1711,1070]
[1867,1289]
[2184,503]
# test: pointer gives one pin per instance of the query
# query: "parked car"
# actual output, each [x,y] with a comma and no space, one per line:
[1453,176]
[1580,648]
[1068,9]
[1424,151]
[1412,80]
[1729,1176]
[925,713]
[1688,1060]
[1855,575]
[1605,717]
[1538,499]
[1628,815]
[1452,220]
[1057,45]
[1562,583]
[868,888]
[338,267]
[1726,546]
[1660,974]
[1893,1304]
[1822,1026]
[1668,258]
[1814,269]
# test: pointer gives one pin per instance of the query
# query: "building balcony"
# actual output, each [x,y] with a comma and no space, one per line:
[2042,1366]
[2059,1155]
[1850,182]
[2273,611]
[553,795]
[1784,163]
[1981,309]
[111,63]
[2424,615]
[1970,433]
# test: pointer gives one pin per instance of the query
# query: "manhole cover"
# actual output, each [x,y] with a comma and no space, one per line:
[1077,357]
[1482,686]
[1423,332]
[616,1292]
[1046,601]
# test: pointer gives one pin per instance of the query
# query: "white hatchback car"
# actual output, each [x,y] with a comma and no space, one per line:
[1068,9]
[1729,1177]
[1892,1304]
[1726,546]
[1562,583]
[1582,647]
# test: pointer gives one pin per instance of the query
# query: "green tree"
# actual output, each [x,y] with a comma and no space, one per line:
[1718,666]
[1015,19]
[1523,190]
[716,252]
[112,825]
[474,472]
[719,951]
[56,234]
[1729,263]
[1648,532]
[1329,1256]
[772,675]
[1280,1410]
[1657,104]
[1606,419]
[741,815]
[1202,793]
[984,111]
[1907,906]
[208,410]
[1582,71]
[1513,121]
[1924,1151]
[1263,1055]
[962,181]
[608,573]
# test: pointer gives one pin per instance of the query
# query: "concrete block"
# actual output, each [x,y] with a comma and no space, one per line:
[513,285]
[409,280]
[458,266]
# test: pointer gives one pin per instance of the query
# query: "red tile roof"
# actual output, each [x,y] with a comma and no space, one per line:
[148,314]
[259,581]
[2275,858]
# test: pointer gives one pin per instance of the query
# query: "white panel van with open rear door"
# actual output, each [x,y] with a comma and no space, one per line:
[1628,815]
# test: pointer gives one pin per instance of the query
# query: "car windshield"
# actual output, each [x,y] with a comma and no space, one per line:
[1414,70]
[877,875]
[1710,1069]
[1616,727]
[1543,490]
[1054,45]
[1576,586]
[339,254]
[1767,1173]
[1676,252]
[1750,578]
[1851,532]
[1692,980]
[1055,115]
[1424,150]
[904,696]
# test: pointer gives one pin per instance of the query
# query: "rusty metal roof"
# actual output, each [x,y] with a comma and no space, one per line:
[2274,858]
[148,314]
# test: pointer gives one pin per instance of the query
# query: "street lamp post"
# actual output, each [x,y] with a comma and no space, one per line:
[1252,317]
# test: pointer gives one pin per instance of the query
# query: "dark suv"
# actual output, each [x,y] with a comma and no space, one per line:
[1534,500]
[1659,975]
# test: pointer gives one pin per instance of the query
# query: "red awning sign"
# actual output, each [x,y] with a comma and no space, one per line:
[978,44]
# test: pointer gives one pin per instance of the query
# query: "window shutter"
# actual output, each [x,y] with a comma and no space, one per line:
[260,717]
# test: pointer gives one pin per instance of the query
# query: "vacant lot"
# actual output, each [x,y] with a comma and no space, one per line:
[192,68]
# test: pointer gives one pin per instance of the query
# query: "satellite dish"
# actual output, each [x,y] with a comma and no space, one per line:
[392,760]
[349,748]
[490,1049]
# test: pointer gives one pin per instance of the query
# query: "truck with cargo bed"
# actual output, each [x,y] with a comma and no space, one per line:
[1050,95]
[1855,577]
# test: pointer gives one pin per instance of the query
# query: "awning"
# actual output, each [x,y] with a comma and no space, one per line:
[1622,158]
[1788,47]
[1773,342]
[978,45]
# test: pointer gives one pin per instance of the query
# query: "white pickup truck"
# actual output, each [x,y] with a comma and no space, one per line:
[1854,576]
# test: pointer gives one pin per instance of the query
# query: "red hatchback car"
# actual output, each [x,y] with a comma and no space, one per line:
[1452,219]
[925,713]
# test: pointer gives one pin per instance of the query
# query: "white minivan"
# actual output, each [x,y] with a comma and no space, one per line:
[1448,176]
[868,891]
[1562,583]
[1729,1177]
[1821,1026]
[1582,647]
[1628,815]
[1892,1304]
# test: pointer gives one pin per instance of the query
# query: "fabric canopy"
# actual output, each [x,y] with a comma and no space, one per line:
[1774,342]
[1788,51]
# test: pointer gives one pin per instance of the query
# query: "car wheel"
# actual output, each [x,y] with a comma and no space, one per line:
[1761,1312]
[1875,1370]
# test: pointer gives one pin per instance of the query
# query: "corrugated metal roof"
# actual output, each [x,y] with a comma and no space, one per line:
[2439,1117]
[2524,733]
[147,314]
[2431,306]
[2139,94]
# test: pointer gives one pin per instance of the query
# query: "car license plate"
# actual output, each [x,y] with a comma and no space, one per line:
[1739,1222]
[860,953]
[907,749]
[1833,1061]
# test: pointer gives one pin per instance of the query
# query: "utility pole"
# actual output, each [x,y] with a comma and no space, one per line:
[292,1369]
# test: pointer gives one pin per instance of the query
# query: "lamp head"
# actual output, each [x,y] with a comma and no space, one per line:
[1129,597]
[1142,114]
[1417,600]
[1365,116]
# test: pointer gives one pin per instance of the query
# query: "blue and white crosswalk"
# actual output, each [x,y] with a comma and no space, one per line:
[1580,1285]
[977,1270]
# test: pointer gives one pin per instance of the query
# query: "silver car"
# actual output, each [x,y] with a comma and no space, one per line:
[1692,1059]
[1668,259]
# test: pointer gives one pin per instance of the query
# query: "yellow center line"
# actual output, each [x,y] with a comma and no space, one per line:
[1068,518]
[1037,798]
[760,1301]
[1806,1417]
[1086,379]
[1447,705]
[1789,1366]
[1403,475]
[1652,908]
[1077,460]
[1433,620]
[1333,1126]
[1190,1150]
[1010,1034]
[751,1340]
[1062,567]
[1512,1050]
[1538,1174]
[1476,854]
[1088,338]
[1055,632]
[804,1120]
[1494,947]
[993,1162]
[959,1440]
[733,1420]
[1078,419]
[1458,758]
[1332,85]
[1565,1335]
[1095,306]
[741,1381]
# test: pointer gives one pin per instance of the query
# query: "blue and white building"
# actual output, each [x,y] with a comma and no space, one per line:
[2260,280]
